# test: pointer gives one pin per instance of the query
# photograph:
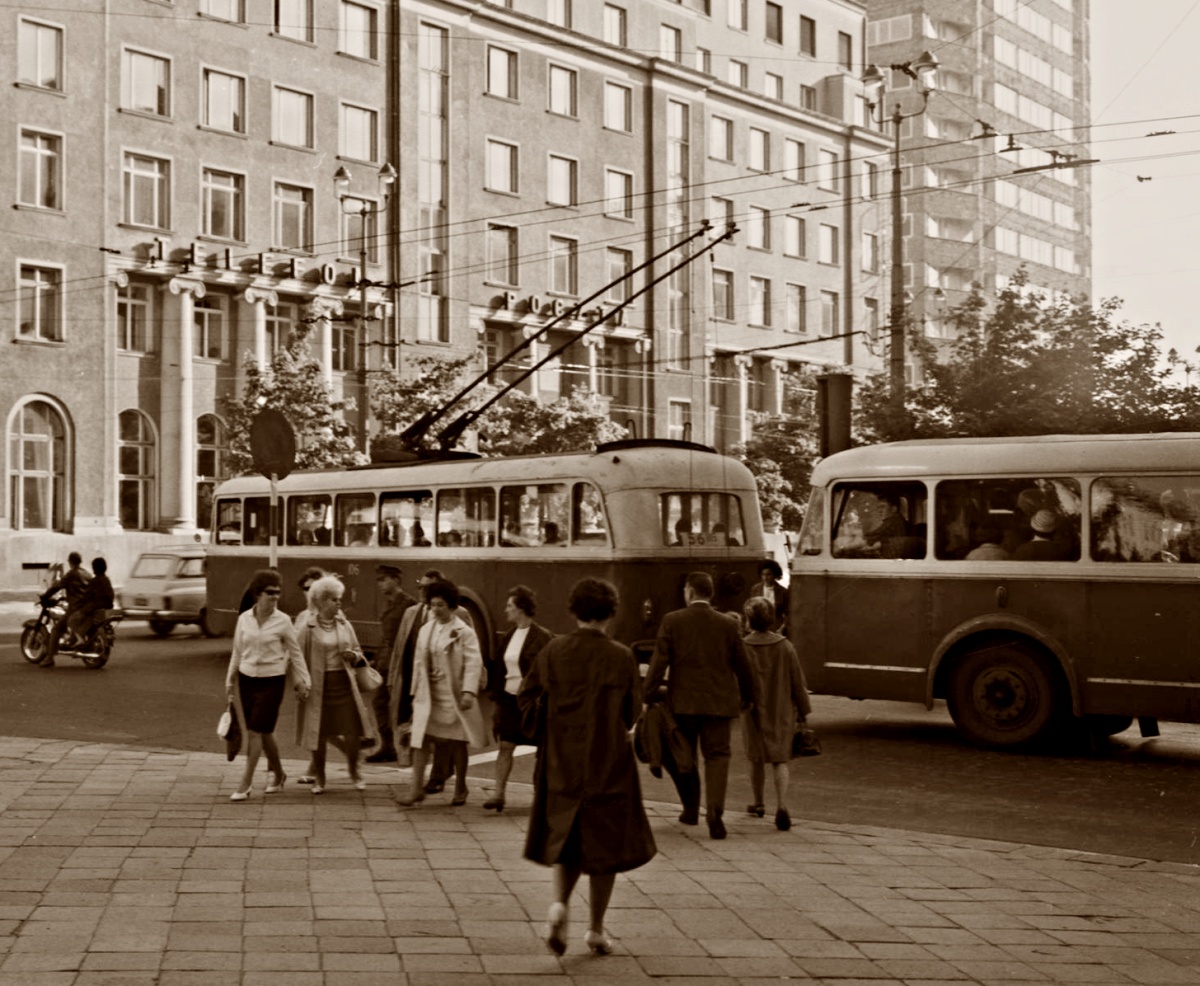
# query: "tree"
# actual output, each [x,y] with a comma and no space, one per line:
[293,384]
[1030,365]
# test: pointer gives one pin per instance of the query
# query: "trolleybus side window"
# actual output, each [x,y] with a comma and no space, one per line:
[466,518]
[702,520]
[406,519]
[309,519]
[256,515]
[812,531]
[354,520]
[533,515]
[1146,518]
[588,524]
[229,521]
[879,520]
[996,519]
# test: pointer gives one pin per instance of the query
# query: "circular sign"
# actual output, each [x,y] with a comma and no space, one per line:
[273,443]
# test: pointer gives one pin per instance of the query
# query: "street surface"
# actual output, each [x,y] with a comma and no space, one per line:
[887,764]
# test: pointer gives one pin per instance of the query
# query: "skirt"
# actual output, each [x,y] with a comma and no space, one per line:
[506,720]
[339,714]
[261,699]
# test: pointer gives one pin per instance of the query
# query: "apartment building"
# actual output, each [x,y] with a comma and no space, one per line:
[992,174]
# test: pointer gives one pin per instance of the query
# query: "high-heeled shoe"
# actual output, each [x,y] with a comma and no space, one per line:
[241,795]
[307,779]
[494,804]
[276,785]
[459,799]
[556,928]
[783,821]
[598,942]
[359,783]
[318,785]
[410,800]
[758,810]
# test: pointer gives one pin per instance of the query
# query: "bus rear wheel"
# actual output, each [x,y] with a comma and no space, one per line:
[1004,696]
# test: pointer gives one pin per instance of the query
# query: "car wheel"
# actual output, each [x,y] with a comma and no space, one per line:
[161,628]
[1005,696]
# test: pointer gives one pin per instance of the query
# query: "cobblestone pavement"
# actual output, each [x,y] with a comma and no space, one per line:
[122,866]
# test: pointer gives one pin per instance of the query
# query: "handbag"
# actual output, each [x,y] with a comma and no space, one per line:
[229,728]
[533,721]
[365,676]
[805,742]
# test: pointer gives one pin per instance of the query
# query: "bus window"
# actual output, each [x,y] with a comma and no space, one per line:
[309,519]
[354,523]
[587,515]
[229,522]
[1146,518]
[1005,518]
[466,518]
[812,530]
[257,516]
[405,519]
[531,516]
[702,520]
[879,520]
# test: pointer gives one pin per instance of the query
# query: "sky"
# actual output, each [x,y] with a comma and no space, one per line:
[1145,63]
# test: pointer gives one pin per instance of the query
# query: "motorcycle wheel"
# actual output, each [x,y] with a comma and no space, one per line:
[34,642]
[101,644]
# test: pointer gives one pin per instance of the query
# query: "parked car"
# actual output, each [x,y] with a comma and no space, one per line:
[167,588]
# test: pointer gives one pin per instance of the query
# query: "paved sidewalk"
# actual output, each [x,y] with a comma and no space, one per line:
[129,867]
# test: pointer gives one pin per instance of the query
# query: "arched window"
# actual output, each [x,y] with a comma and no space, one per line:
[37,467]
[212,464]
[135,468]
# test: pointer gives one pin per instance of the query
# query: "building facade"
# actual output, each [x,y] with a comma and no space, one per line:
[1012,94]
[175,219]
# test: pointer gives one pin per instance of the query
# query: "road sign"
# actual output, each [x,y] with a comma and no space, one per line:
[273,444]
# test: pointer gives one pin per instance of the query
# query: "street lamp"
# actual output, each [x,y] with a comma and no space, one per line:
[923,71]
[352,206]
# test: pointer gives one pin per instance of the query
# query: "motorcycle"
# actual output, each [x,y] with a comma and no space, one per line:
[93,650]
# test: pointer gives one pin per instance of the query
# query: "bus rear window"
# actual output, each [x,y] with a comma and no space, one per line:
[1022,519]
[309,519]
[702,520]
[1146,518]
[229,522]
[533,515]
[405,519]
[879,520]
[354,523]
[466,518]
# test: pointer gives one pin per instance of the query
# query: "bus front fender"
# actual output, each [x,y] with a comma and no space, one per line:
[959,640]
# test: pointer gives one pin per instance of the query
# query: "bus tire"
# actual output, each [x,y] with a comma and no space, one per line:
[1005,696]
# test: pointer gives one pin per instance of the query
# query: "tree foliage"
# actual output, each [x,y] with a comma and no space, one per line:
[1030,365]
[292,383]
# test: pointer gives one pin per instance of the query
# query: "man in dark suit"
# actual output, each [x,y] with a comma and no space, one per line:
[770,572]
[709,683]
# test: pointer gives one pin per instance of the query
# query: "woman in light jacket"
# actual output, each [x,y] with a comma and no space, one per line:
[334,707]
[264,647]
[447,676]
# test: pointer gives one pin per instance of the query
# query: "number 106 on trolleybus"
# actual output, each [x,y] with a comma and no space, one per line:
[641,514]
[1033,583]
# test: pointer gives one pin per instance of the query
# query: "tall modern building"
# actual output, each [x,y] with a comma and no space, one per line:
[175,213]
[991,173]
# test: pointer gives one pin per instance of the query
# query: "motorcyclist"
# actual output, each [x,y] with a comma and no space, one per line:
[81,614]
[72,583]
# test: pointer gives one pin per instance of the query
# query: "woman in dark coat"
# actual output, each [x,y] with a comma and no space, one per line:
[587,809]
[506,670]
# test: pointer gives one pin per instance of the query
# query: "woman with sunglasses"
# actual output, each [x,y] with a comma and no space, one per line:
[264,647]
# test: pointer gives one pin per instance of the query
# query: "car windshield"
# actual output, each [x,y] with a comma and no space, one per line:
[153,567]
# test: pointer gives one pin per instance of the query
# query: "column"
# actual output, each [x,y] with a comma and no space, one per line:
[323,310]
[742,363]
[592,344]
[179,415]
[258,299]
[775,396]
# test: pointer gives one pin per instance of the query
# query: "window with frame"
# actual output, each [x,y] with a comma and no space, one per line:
[359,133]
[870,252]
[1024,519]
[39,54]
[774,22]
[564,265]
[738,74]
[208,319]
[40,166]
[406,519]
[294,19]
[618,194]
[134,318]
[679,420]
[845,51]
[828,244]
[870,180]
[293,217]
[38,468]
[224,101]
[222,204]
[147,83]
[618,266]
[830,314]
[502,79]
[702,520]
[773,85]
[760,301]
[466,518]
[871,318]
[615,25]
[309,520]
[879,520]
[793,160]
[722,286]
[588,523]
[827,169]
[354,520]
[760,150]
[721,211]
[559,12]
[281,322]
[360,228]
[502,254]
[534,515]
[670,43]
[703,60]
[147,190]
[135,471]
[808,36]
[562,91]
[795,314]
[758,228]
[720,138]
[618,107]
[795,236]
[226,10]
[808,97]
[357,30]
[562,181]
[343,348]
[501,166]
[293,123]
[736,14]
[39,316]
[1144,518]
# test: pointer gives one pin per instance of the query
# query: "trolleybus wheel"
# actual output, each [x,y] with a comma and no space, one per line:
[1004,696]
[205,626]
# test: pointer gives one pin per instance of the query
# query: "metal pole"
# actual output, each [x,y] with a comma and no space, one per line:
[896,316]
[363,349]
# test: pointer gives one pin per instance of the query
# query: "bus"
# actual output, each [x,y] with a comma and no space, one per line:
[640,513]
[1035,584]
